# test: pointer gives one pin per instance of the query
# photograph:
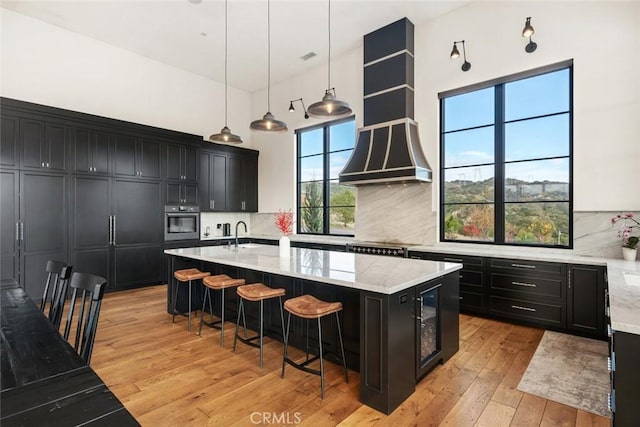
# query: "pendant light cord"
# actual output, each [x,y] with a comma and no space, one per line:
[268,55]
[226,95]
[329,63]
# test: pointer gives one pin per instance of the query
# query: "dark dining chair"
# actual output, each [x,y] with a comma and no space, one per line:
[90,289]
[55,290]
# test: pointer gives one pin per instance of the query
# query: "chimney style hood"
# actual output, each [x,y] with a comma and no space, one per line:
[388,147]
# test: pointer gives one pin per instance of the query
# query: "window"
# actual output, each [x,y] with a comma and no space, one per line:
[325,206]
[506,160]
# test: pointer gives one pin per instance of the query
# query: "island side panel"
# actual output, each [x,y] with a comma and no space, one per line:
[387,348]
[450,315]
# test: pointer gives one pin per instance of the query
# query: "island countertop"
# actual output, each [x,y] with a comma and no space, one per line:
[385,275]
[624,295]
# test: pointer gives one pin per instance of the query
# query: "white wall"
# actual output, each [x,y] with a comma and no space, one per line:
[48,65]
[603,38]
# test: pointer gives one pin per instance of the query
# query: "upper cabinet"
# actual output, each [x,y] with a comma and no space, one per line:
[44,145]
[91,151]
[137,157]
[228,179]
[9,128]
[182,162]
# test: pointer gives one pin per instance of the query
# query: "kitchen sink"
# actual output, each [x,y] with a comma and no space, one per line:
[248,245]
[632,278]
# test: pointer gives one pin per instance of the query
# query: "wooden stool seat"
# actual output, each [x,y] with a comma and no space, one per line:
[221,281]
[190,274]
[309,307]
[259,292]
[256,292]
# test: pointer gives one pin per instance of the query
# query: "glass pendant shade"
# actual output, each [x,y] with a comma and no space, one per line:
[329,107]
[226,137]
[268,123]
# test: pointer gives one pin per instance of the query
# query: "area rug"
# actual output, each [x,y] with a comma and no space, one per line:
[570,370]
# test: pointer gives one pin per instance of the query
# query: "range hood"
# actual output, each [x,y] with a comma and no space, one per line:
[388,146]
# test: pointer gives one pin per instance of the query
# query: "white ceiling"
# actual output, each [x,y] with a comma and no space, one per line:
[171,31]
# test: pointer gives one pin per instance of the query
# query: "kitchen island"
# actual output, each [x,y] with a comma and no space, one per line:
[400,316]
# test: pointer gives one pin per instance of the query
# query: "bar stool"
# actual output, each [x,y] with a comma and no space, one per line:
[309,307]
[184,276]
[217,282]
[256,292]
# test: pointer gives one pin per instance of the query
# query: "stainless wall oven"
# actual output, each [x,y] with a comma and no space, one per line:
[181,222]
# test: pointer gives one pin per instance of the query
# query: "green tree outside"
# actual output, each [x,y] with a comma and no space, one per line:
[342,203]
[312,212]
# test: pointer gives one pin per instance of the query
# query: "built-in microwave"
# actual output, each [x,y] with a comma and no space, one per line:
[181,222]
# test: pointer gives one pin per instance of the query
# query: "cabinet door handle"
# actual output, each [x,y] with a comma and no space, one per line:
[528,285]
[453,259]
[18,230]
[519,307]
[110,229]
[42,164]
[523,266]
[47,164]
[213,204]
[22,231]
[113,238]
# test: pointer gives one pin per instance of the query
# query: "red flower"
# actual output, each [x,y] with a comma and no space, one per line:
[284,221]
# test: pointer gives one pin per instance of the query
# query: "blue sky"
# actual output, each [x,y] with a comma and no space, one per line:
[341,137]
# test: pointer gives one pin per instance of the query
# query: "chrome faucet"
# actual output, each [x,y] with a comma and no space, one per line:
[245,230]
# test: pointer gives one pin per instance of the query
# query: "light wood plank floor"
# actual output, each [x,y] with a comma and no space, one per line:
[166,376]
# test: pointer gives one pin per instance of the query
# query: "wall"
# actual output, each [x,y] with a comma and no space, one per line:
[48,65]
[601,37]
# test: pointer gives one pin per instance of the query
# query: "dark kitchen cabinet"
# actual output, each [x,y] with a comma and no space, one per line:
[9,128]
[212,181]
[9,227]
[242,184]
[137,232]
[137,157]
[90,226]
[43,227]
[44,145]
[181,193]
[181,162]
[585,300]
[624,359]
[91,151]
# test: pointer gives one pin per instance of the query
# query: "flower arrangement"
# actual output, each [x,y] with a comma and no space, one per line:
[626,228]
[284,221]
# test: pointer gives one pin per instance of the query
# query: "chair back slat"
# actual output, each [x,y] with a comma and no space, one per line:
[59,296]
[92,289]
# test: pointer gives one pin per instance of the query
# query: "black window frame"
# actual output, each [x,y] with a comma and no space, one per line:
[499,122]
[326,180]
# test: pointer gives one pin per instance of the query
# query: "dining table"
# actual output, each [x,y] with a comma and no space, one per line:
[43,381]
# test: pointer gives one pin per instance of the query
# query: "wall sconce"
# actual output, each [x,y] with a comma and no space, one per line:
[466,65]
[291,109]
[528,31]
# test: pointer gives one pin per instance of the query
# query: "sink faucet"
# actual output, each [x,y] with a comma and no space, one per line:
[207,231]
[245,230]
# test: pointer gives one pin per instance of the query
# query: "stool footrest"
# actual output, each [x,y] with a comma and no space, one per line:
[303,366]
[216,324]
[249,341]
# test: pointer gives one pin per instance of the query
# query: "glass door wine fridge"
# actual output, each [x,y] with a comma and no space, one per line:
[428,346]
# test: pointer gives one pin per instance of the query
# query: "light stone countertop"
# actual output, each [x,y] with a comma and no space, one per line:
[385,275]
[624,297]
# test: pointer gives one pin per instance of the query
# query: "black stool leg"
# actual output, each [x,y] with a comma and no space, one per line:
[204,302]
[285,353]
[261,328]
[175,301]
[235,336]
[221,320]
[344,361]
[189,308]
[321,361]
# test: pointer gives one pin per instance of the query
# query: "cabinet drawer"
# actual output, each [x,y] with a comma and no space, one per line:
[530,285]
[471,278]
[528,266]
[518,308]
[471,301]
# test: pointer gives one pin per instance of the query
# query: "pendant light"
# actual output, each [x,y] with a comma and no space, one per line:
[225,135]
[268,123]
[329,107]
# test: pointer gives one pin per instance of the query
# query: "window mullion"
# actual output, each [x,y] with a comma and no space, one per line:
[499,181]
[326,183]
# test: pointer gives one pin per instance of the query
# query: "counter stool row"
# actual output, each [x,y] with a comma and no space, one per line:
[305,306]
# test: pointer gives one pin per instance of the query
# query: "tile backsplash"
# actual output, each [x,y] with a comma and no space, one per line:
[211,220]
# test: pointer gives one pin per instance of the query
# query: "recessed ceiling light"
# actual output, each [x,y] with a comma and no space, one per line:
[308,56]
[203,34]
[195,1]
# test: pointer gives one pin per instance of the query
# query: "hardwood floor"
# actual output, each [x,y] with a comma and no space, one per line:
[166,376]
